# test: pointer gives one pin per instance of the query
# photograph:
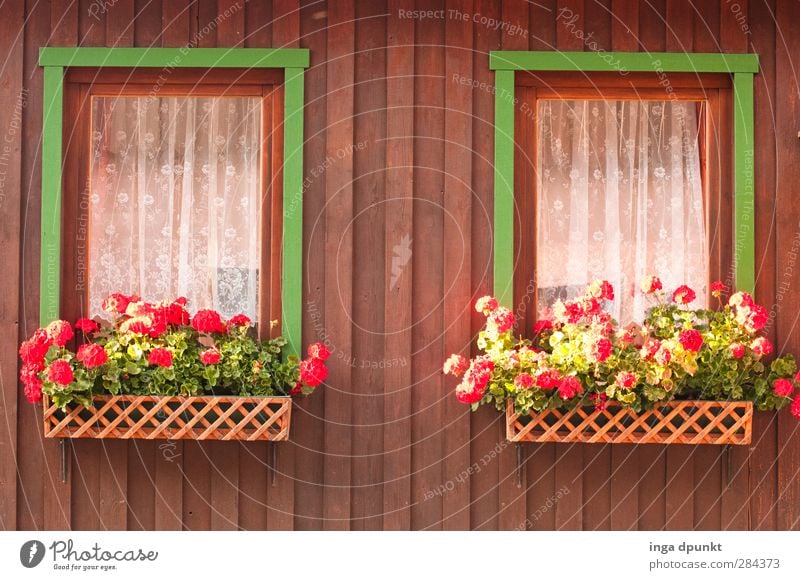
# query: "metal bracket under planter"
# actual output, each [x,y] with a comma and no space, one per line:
[152,417]
[688,422]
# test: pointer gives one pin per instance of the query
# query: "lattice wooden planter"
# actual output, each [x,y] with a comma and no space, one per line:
[151,417]
[690,422]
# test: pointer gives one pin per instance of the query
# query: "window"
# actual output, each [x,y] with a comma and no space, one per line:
[619,196]
[176,165]
[175,200]
[602,174]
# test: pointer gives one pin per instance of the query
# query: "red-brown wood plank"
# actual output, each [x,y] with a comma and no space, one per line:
[787,112]
[428,265]
[484,429]
[175,18]
[224,497]
[680,487]
[280,497]
[147,27]
[457,255]
[120,23]
[338,267]
[625,25]
[511,488]
[308,427]
[168,482]
[63,23]
[254,482]
[680,15]
[763,473]
[231,17]
[570,25]
[706,21]
[398,298]
[12,102]
[542,25]
[258,24]
[652,26]
[735,24]
[197,468]
[370,365]
[598,25]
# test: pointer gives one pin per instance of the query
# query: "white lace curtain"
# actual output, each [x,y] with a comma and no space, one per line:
[174,203]
[620,197]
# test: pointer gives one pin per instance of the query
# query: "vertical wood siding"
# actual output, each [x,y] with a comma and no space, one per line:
[397,245]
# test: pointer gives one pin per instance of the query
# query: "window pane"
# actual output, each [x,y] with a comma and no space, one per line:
[620,197]
[174,205]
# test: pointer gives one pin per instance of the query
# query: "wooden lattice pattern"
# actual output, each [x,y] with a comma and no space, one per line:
[689,422]
[151,417]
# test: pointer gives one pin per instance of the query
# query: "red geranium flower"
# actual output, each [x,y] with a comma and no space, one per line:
[33,390]
[600,289]
[548,378]
[741,300]
[239,320]
[542,325]
[318,350]
[761,346]
[139,325]
[569,387]
[117,303]
[35,348]
[625,380]
[313,371]
[500,320]
[160,357]
[600,401]
[683,295]
[92,355]
[177,314]
[691,340]
[717,288]
[737,350]
[210,356]
[752,318]
[60,332]
[456,365]
[651,284]
[60,373]
[795,408]
[783,387]
[208,321]
[473,385]
[297,389]
[87,325]
[486,305]
[523,381]
[601,349]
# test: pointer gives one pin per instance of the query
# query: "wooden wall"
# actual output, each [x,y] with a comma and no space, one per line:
[397,244]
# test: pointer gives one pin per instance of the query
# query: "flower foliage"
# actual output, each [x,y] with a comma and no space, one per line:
[159,349]
[584,357]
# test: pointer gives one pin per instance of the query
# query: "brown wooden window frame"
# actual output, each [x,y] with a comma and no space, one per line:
[83,83]
[714,90]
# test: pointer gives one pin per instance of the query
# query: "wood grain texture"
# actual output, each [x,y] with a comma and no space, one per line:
[369,449]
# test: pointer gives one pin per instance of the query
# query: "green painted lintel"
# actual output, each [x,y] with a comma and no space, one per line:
[504,188]
[292,279]
[596,61]
[50,266]
[175,57]
[744,182]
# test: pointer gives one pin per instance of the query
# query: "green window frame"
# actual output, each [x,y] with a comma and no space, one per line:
[294,61]
[505,63]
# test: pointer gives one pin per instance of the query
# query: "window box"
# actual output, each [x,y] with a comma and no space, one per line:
[688,422]
[150,417]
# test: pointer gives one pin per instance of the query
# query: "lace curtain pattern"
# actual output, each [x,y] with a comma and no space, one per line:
[174,207]
[620,197]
